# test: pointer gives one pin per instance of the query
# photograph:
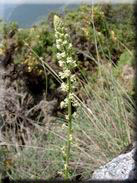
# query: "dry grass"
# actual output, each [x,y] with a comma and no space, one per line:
[101,129]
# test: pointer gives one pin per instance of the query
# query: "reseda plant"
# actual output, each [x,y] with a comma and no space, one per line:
[67,64]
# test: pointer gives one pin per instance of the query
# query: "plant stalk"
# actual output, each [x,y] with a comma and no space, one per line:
[68,145]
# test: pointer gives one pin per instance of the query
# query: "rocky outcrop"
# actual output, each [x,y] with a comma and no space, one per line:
[120,168]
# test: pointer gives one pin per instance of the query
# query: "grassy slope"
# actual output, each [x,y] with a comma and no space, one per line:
[102,127]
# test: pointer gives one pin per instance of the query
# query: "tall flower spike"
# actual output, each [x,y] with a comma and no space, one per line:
[57,22]
[65,59]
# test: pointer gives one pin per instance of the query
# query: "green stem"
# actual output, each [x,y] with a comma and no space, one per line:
[69,131]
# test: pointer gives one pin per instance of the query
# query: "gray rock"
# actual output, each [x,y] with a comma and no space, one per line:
[120,168]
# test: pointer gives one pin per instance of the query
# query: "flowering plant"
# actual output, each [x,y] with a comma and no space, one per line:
[67,63]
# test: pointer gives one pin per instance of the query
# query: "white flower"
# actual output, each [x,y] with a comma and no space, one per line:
[63,126]
[59,56]
[74,115]
[73,63]
[66,101]
[66,36]
[57,22]
[61,74]
[58,35]
[65,42]
[73,85]
[64,87]
[58,41]
[71,96]
[63,55]
[69,46]
[63,150]
[70,137]
[61,63]
[73,77]
[58,46]
[67,117]
[65,74]
[75,104]
[62,105]
[69,60]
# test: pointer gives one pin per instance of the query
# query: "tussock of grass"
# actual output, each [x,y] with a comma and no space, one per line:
[101,129]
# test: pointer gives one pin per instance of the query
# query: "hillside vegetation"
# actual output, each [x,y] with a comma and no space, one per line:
[33,125]
[28,14]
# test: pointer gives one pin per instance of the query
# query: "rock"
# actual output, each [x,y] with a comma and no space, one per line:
[122,167]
